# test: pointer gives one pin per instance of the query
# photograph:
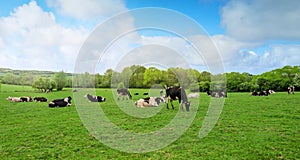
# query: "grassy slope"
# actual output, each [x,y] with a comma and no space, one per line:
[249,128]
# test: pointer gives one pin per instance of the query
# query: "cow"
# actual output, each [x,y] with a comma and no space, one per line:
[217,94]
[145,94]
[174,93]
[263,93]
[193,95]
[149,102]
[94,98]
[271,91]
[40,99]
[254,93]
[26,99]
[136,94]
[123,92]
[14,99]
[291,90]
[60,102]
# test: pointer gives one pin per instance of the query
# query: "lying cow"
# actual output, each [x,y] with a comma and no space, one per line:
[94,98]
[193,95]
[217,94]
[123,92]
[254,93]
[149,102]
[60,102]
[174,93]
[26,99]
[40,99]
[263,93]
[14,99]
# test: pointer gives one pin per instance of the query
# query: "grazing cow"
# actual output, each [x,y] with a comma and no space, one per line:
[40,99]
[146,93]
[14,99]
[26,99]
[174,93]
[124,92]
[193,95]
[60,102]
[94,98]
[149,102]
[136,94]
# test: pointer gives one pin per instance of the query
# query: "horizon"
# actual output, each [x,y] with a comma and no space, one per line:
[136,65]
[248,36]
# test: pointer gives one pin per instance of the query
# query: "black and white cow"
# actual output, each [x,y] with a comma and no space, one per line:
[254,93]
[60,102]
[149,102]
[174,93]
[26,99]
[123,92]
[40,99]
[217,94]
[95,98]
[263,93]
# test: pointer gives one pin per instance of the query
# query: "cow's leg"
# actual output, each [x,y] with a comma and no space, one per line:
[181,106]
[172,104]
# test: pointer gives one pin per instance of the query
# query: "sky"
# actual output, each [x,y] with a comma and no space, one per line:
[251,36]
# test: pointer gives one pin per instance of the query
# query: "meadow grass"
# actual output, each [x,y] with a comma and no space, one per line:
[248,128]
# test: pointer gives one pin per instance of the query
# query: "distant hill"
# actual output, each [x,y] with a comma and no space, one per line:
[4,71]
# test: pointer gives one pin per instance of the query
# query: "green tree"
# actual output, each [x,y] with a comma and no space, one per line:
[44,84]
[152,76]
[61,79]
[9,78]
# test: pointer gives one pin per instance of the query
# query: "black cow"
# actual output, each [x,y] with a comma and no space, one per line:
[94,98]
[123,92]
[136,94]
[40,99]
[174,93]
[60,102]
[146,93]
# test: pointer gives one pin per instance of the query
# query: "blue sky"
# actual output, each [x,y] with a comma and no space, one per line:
[251,36]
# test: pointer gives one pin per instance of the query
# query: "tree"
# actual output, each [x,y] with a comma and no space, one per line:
[9,78]
[44,84]
[194,87]
[152,76]
[61,79]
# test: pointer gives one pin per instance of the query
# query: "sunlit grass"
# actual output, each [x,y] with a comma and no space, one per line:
[248,128]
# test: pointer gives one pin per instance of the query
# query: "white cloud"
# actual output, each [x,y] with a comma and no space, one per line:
[31,39]
[261,20]
[275,57]
[88,9]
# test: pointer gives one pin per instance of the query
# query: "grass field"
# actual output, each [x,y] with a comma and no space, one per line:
[248,128]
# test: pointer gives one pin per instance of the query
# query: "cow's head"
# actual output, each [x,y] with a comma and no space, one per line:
[187,106]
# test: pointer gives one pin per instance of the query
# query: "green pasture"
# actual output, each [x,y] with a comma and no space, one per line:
[248,128]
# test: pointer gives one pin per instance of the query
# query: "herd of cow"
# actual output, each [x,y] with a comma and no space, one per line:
[172,93]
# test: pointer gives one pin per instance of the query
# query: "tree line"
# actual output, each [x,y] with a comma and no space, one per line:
[141,77]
